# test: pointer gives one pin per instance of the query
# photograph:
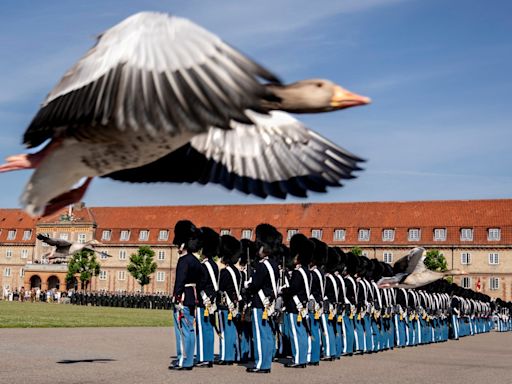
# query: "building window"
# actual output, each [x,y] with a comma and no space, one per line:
[7,272]
[466,282]
[414,234]
[494,258]
[465,258]
[24,253]
[364,234]
[388,257]
[494,234]
[440,234]
[364,253]
[339,235]
[103,275]
[143,235]
[316,233]
[81,238]
[103,256]
[27,234]
[122,254]
[22,272]
[11,235]
[125,235]
[64,236]
[466,234]
[160,276]
[163,235]
[225,232]
[494,283]
[247,234]
[388,235]
[121,275]
[8,253]
[161,255]
[291,232]
[106,234]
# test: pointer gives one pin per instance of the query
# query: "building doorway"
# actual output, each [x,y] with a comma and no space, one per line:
[53,282]
[72,284]
[35,282]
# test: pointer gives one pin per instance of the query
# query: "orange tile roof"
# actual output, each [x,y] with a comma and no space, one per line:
[15,219]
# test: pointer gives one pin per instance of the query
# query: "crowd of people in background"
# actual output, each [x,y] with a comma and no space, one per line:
[35,295]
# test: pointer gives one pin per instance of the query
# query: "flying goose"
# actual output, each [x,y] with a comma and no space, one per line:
[411,272]
[63,249]
[160,99]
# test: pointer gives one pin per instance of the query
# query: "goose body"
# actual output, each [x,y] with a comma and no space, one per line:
[159,98]
[411,272]
[64,249]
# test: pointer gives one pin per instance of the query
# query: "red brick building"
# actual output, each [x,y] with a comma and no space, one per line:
[473,235]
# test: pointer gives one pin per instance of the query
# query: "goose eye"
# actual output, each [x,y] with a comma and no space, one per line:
[319,85]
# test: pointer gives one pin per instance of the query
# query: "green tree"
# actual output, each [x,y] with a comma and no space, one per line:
[356,251]
[435,261]
[142,265]
[85,265]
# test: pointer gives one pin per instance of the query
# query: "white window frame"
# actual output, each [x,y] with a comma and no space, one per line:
[122,254]
[161,255]
[388,234]
[11,235]
[64,236]
[121,275]
[317,233]
[81,238]
[466,234]
[363,234]
[440,234]
[225,231]
[8,253]
[413,234]
[163,235]
[124,235]
[290,233]
[7,271]
[339,234]
[143,235]
[465,258]
[106,234]
[22,272]
[494,234]
[468,280]
[494,283]
[103,256]
[494,258]
[160,276]
[24,254]
[246,234]
[27,234]
[102,275]
[387,257]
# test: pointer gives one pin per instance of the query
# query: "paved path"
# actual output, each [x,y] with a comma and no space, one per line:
[141,355]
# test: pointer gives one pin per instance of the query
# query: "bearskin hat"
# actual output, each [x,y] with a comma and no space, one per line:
[248,248]
[342,264]
[268,237]
[352,263]
[301,247]
[387,270]
[320,253]
[333,260]
[211,242]
[230,249]
[185,232]
[378,270]
[364,267]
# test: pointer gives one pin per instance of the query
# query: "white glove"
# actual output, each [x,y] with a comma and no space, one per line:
[179,307]
[207,302]
[300,307]
[266,302]
[231,307]
[247,283]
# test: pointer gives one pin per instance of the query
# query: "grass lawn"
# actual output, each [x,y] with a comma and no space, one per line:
[45,315]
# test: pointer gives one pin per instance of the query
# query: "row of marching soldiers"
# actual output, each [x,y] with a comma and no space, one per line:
[305,304]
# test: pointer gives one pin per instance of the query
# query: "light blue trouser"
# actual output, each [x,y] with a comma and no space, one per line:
[298,338]
[205,336]
[376,335]
[359,334]
[368,333]
[348,334]
[328,339]
[245,334]
[229,348]
[339,337]
[264,342]
[185,336]
[455,327]
[314,325]
[400,331]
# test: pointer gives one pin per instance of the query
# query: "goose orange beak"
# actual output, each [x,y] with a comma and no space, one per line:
[342,98]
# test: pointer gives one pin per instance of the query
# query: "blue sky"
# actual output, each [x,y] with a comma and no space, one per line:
[439,73]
